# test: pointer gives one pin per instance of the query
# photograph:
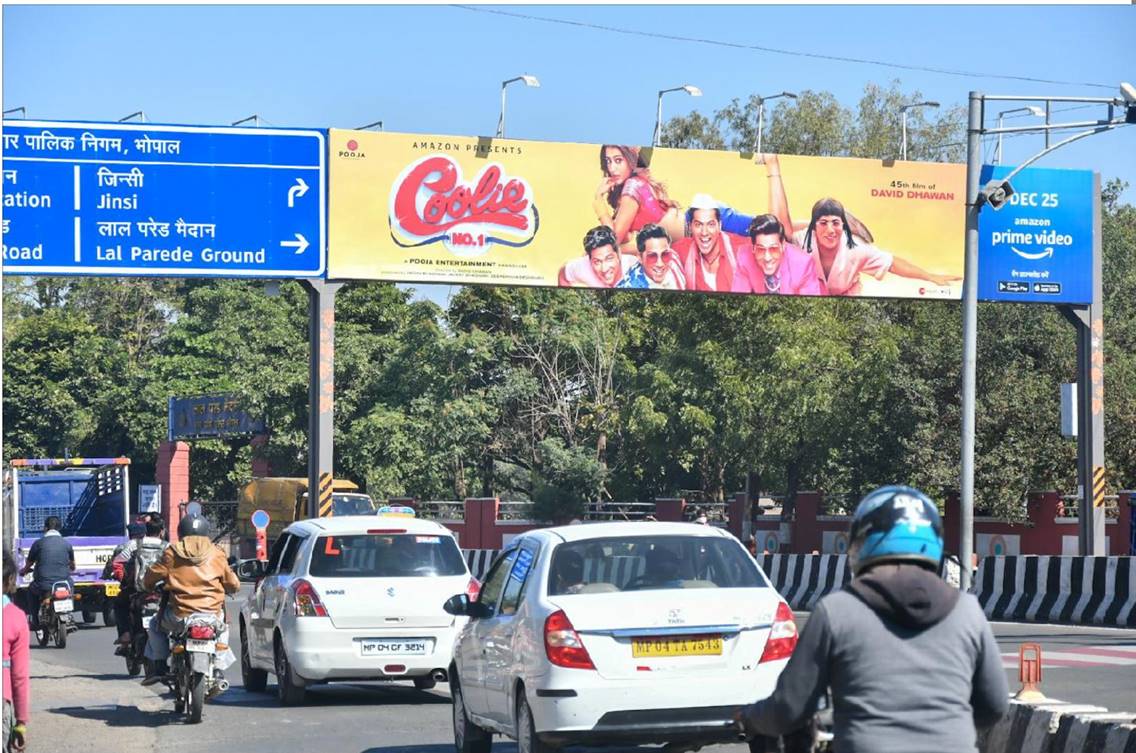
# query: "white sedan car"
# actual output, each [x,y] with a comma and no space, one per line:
[352,598]
[616,633]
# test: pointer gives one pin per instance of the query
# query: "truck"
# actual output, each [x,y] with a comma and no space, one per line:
[92,498]
[285,499]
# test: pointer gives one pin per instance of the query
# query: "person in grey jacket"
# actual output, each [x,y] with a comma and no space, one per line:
[912,663]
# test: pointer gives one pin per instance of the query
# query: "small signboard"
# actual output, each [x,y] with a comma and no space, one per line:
[209,416]
[149,498]
[260,519]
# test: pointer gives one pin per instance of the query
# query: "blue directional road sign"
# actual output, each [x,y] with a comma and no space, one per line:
[144,199]
[1038,248]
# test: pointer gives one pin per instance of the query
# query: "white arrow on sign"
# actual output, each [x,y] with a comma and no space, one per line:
[1039,255]
[300,244]
[299,189]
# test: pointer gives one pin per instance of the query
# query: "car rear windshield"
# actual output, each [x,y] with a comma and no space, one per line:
[376,555]
[643,563]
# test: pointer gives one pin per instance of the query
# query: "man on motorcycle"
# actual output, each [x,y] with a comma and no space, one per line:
[912,663]
[53,560]
[197,577]
[129,567]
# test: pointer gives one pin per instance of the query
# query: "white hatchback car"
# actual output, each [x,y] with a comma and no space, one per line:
[352,598]
[616,633]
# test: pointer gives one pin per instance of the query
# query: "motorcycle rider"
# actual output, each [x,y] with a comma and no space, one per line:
[912,663]
[53,560]
[129,567]
[197,577]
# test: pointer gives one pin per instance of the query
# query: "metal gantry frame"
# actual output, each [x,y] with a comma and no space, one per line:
[1087,319]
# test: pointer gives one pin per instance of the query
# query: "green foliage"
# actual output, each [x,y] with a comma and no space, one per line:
[565,398]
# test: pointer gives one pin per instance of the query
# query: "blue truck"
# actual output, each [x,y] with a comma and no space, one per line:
[92,498]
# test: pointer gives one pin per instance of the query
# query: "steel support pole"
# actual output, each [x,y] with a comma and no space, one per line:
[658,122]
[501,120]
[760,123]
[321,384]
[1090,377]
[903,149]
[969,339]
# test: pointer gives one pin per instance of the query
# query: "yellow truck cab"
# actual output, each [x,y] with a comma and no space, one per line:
[286,501]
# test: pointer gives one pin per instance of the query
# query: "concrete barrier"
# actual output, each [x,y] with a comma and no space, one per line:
[1057,727]
[1076,590]
[479,561]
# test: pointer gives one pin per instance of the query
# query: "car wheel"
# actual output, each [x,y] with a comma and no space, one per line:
[527,740]
[88,616]
[108,615]
[468,737]
[254,680]
[289,688]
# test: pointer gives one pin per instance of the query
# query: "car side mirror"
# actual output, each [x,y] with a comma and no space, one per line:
[250,569]
[457,605]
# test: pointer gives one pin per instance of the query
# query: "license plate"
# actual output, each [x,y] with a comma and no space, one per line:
[686,645]
[203,647]
[393,647]
[64,605]
[112,589]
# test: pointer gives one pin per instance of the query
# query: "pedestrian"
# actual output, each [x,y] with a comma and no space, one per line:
[16,659]
[912,663]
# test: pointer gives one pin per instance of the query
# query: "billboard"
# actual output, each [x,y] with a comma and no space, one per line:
[1038,248]
[452,209]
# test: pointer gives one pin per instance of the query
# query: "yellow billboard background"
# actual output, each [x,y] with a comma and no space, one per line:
[914,210]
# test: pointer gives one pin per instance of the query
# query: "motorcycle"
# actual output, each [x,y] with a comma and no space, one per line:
[55,615]
[197,661]
[143,608]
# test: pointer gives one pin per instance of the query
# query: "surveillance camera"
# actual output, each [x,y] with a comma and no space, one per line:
[1129,92]
[997,192]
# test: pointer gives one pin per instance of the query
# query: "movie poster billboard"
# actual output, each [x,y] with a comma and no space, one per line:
[451,209]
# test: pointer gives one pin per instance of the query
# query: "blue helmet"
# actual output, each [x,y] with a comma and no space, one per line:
[895,524]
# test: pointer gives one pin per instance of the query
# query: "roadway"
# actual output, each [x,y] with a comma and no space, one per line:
[83,701]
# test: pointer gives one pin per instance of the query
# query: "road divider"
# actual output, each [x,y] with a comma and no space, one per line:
[1075,590]
[1051,726]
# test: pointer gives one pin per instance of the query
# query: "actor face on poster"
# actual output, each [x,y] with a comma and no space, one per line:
[601,266]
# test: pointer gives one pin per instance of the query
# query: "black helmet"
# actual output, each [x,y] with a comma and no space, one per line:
[193,525]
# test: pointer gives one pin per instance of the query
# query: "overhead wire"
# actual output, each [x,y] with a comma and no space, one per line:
[774,50]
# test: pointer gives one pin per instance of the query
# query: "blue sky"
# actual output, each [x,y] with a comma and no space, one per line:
[437,69]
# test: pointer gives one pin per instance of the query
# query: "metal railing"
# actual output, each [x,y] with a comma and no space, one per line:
[514,511]
[1070,506]
[453,510]
[609,511]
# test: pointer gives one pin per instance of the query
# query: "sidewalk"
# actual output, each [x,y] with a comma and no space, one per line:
[74,709]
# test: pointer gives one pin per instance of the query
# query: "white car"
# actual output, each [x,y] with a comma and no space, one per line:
[352,598]
[616,633]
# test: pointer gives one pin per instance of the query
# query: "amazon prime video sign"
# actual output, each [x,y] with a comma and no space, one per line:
[1038,248]
[210,416]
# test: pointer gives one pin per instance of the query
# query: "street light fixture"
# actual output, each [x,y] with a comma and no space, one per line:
[528,81]
[1034,110]
[761,117]
[693,91]
[903,113]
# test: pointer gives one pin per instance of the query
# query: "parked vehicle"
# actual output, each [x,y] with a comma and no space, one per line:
[352,598]
[92,498]
[616,633]
[55,615]
[286,501]
[196,677]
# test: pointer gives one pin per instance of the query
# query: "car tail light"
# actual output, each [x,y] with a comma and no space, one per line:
[202,632]
[563,644]
[307,601]
[782,636]
[473,589]
[62,593]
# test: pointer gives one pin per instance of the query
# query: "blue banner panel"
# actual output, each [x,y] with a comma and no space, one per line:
[1038,248]
[210,416]
[145,199]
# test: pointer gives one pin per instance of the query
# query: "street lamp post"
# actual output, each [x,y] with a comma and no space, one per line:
[528,81]
[903,116]
[761,117]
[1032,110]
[693,91]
